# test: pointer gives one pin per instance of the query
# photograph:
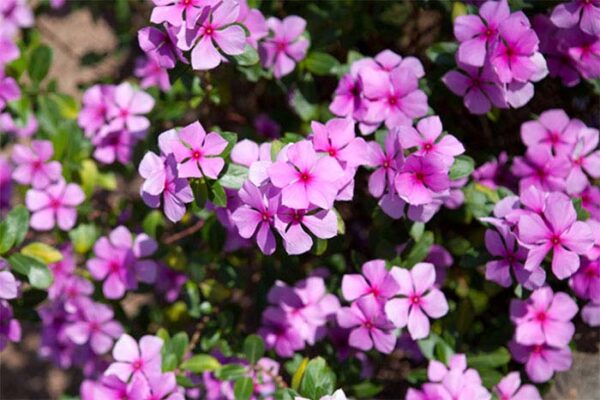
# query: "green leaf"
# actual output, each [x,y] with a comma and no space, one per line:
[463,166]
[367,389]
[14,228]
[201,363]
[254,348]
[152,222]
[184,381]
[419,251]
[318,379]
[43,252]
[248,57]
[497,358]
[200,190]
[107,180]
[582,213]
[276,146]
[234,177]
[442,53]
[89,175]
[321,63]
[243,388]
[320,246]
[231,372]
[217,194]
[37,272]
[297,378]
[39,63]
[84,237]
[178,345]
[231,138]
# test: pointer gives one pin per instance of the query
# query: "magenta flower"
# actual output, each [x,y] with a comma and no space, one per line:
[590,313]
[164,388]
[14,15]
[94,326]
[421,178]
[540,169]
[285,47]
[23,130]
[9,51]
[369,325]
[128,108]
[290,224]
[541,360]
[421,299]
[425,139]
[479,87]
[338,139]
[94,110]
[181,12]
[458,381]
[34,166]
[394,97]
[375,280]
[586,281]
[348,98]
[585,158]
[150,73]
[6,185]
[143,360]
[9,90]
[112,388]
[279,334]
[586,13]
[255,23]
[161,46]
[478,33]
[554,130]
[560,232]
[429,391]
[54,205]
[510,388]
[306,179]
[387,161]
[545,317]
[196,152]
[114,146]
[10,328]
[217,29]
[257,215]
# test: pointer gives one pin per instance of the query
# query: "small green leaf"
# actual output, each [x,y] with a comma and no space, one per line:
[463,166]
[254,348]
[497,358]
[248,57]
[178,345]
[84,237]
[231,372]
[201,363]
[184,381]
[17,224]
[318,379]
[582,213]
[442,53]
[231,138]
[39,63]
[37,272]
[89,175]
[276,146]
[321,63]
[243,388]
[152,222]
[217,194]
[234,177]
[107,180]
[320,246]
[297,378]
[419,251]
[43,252]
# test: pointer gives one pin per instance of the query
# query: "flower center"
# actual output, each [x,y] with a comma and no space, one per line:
[265,216]
[281,46]
[355,90]
[489,32]
[368,325]
[332,152]
[428,146]
[94,326]
[305,177]
[209,30]
[541,316]
[114,267]
[537,349]
[555,240]
[196,154]
[186,2]
[137,364]
[297,216]
[414,299]
[554,137]
[392,100]
[124,113]
[55,204]
[37,164]
[419,176]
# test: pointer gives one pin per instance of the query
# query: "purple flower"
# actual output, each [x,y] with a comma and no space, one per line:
[5,185]
[477,34]
[560,232]
[114,146]
[9,51]
[196,152]
[338,139]
[127,109]
[377,281]
[94,110]
[257,215]
[10,328]
[420,299]
[9,286]
[285,47]
[54,205]
[279,334]
[9,90]
[541,360]
[544,318]
[369,325]
[143,360]
[584,158]
[586,13]
[510,388]
[586,281]
[94,326]
[217,29]
[348,98]
[425,139]
[161,46]
[290,222]
[458,381]
[33,165]
[14,15]
[387,161]
[9,125]
[267,126]
[441,260]
[553,130]
[113,388]
[591,313]
[540,169]
[306,179]
[479,87]
[150,73]
[421,178]
[181,12]
[590,201]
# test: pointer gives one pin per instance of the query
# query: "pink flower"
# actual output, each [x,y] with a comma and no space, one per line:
[554,130]
[477,34]
[181,12]
[387,161]
[369,325]
[590,314]
[9,51]
[586,281]
[544,318]
[96,326]
[458,381]
[94,110]
[126,112]
[285,47]
[114,146]
[540,169]
[257,215]
[421,178]
[255,23]
[161,46]
[10,328]
[149,71]
[279,334]
[348,98]
[586,13]
[290,222]
[112,388]
[9,286]
[560,232]
[510,388]
[143,360]
[306,179]
[14,15]
[33,165]
[421,299]
[9,90]
[196,152]
[338,139]
[10,125]
[584,158]
[217,28]
[425,139]
[377,281]
[54,205]
[541,360]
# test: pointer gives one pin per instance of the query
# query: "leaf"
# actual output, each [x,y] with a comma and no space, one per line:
[217,194]
[231,138]
[234,177]
[243,388]
[43,252]
[297,378]
[463,166]
[231,372]
[84,237]
[419,251]
[582,213]
[497,358]
[367,389]
[107,180]
[37,273]
[320,63]
[201,363]
[178,345]
[254,348]
[248,57]
[14,228]
[39,63]
[89,175]
[152,222]
[318,379]
[442,53]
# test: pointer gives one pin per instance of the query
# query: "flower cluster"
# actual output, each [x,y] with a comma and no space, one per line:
[113,118]
[205,31]
[543,332]
[498,59]
[297,315]
[10,328]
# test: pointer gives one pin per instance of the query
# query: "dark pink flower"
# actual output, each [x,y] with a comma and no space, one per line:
[34,165]
[541,360]
[286,46]
[420,178]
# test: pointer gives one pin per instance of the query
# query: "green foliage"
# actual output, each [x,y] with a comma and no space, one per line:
[37,273]
[14,228]
[463,166]
[254,348]
[39,63]
[243,388]
[321,63]
[318,379]
[201,363]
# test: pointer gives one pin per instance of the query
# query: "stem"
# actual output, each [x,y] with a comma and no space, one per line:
[184,233]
